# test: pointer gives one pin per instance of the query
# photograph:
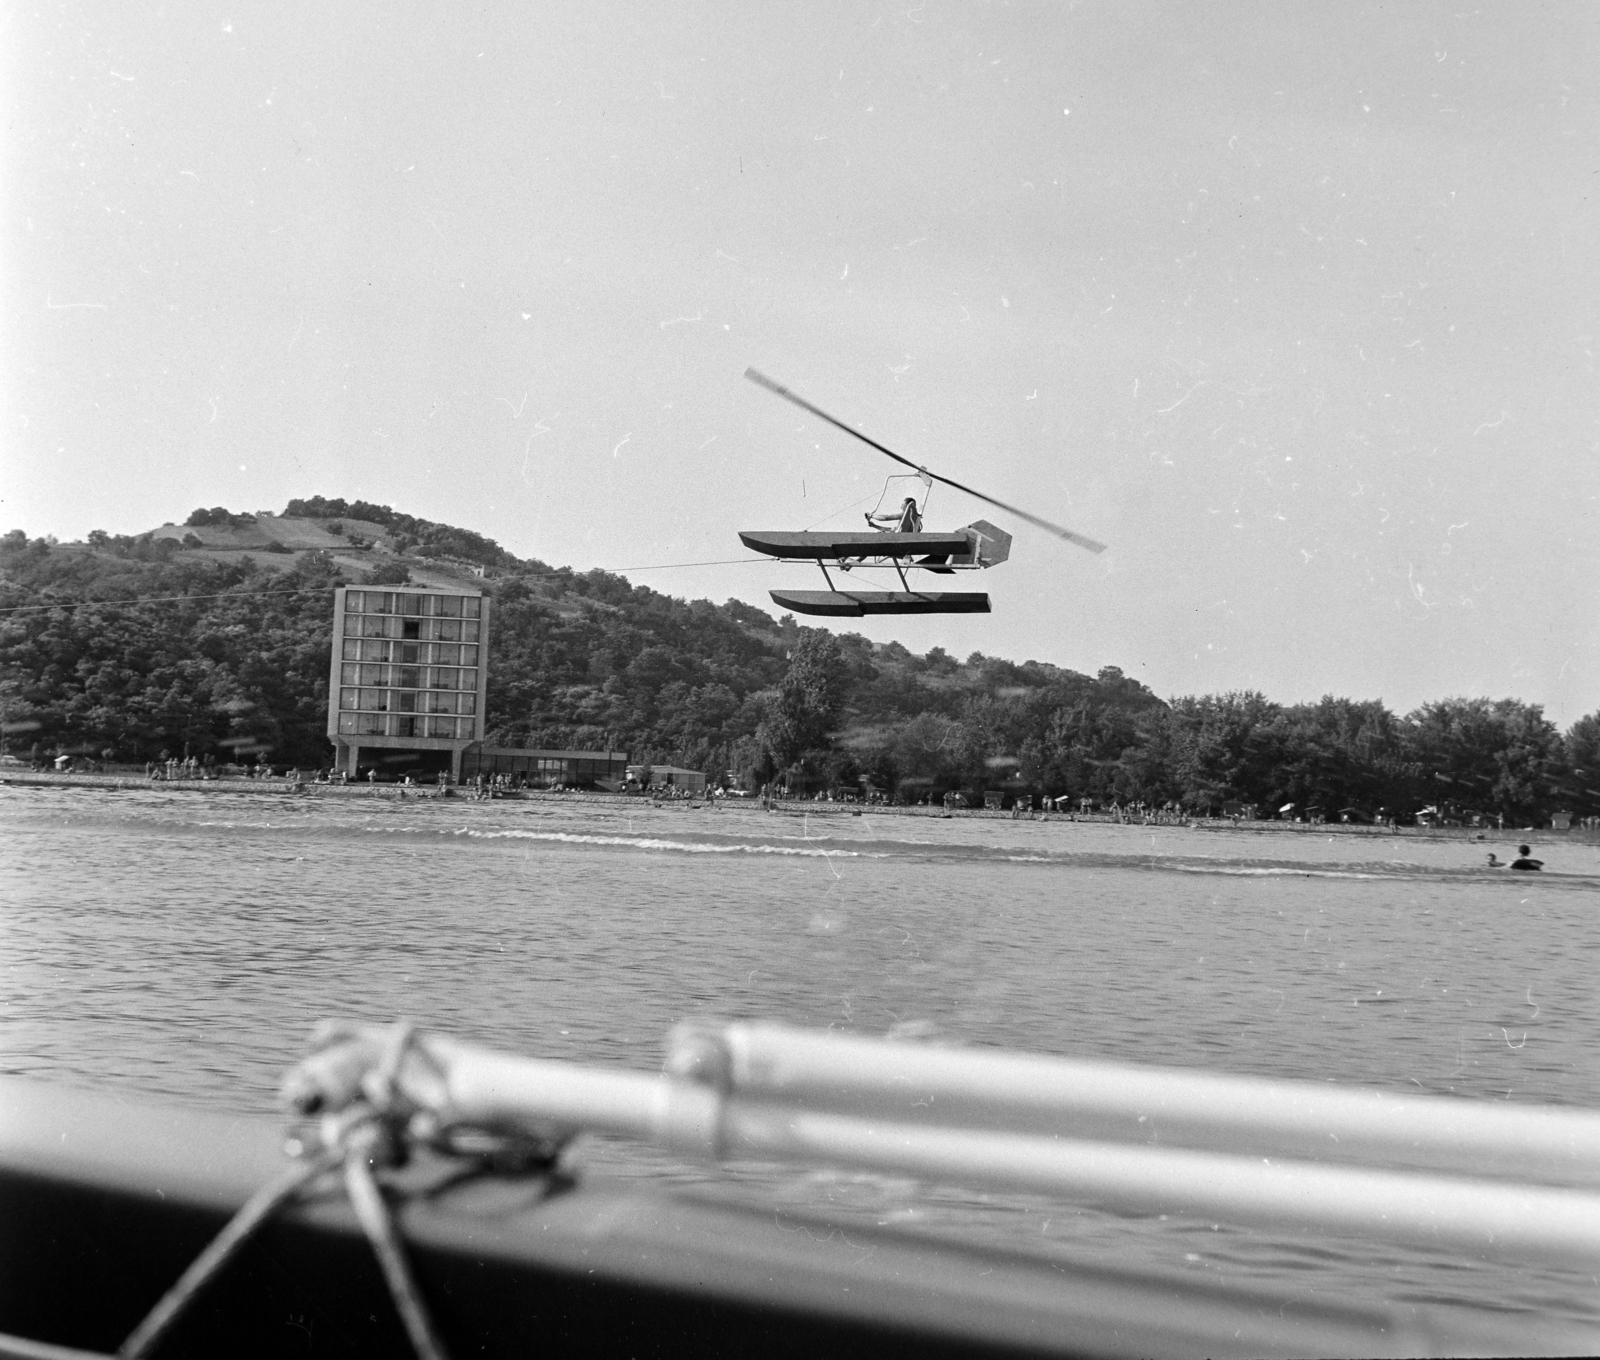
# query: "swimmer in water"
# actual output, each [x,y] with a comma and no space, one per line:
[1523,862]
[1494,862]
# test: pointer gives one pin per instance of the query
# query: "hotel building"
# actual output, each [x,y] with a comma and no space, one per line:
[408,681]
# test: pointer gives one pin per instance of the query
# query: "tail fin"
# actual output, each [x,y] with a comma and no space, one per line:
[990,546]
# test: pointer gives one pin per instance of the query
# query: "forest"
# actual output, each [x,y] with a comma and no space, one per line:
[134,648]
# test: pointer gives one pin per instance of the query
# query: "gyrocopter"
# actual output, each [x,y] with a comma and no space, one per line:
[896,539]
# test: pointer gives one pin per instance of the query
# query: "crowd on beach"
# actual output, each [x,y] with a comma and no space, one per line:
[484,786]
[1022,807]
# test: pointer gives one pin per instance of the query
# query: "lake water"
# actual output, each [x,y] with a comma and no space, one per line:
[182,945]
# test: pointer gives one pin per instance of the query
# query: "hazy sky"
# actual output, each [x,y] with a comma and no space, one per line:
[1292,305]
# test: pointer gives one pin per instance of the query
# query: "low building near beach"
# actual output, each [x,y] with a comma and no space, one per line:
[545,769]
[668,779]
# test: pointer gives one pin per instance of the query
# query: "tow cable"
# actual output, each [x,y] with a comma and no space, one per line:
[365,1124]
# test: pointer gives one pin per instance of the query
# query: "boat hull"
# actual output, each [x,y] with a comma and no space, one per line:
[856,603]
[105,1200]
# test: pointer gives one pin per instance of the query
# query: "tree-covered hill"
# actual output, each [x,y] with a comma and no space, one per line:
[213,638]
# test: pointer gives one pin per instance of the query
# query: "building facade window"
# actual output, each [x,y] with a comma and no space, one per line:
[409,653]
[408,605]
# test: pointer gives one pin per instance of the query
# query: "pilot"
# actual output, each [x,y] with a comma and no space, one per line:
[907,520]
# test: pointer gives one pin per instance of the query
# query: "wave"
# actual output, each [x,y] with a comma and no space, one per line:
[1296,871]
[658,843]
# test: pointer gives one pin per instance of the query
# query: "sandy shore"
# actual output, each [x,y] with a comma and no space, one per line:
[281,788]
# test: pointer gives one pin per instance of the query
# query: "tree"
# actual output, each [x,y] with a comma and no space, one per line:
[1500,754]
[1224,747]
[1338,754]
[923,754]
[809,701]
[1583,763]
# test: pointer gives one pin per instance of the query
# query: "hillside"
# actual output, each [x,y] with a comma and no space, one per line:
[224,658]
[213,637]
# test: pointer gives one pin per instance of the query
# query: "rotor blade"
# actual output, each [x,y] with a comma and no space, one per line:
[778,389]
[1093,545]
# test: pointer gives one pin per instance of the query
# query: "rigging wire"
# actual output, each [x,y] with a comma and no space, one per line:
[669,566]
[846,510]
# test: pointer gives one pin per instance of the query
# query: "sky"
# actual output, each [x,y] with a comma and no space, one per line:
[1294,306]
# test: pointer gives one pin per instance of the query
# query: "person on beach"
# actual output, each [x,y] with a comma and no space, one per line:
[1523,862]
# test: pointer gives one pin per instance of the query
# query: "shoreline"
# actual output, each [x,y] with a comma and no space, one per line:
[285,788]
